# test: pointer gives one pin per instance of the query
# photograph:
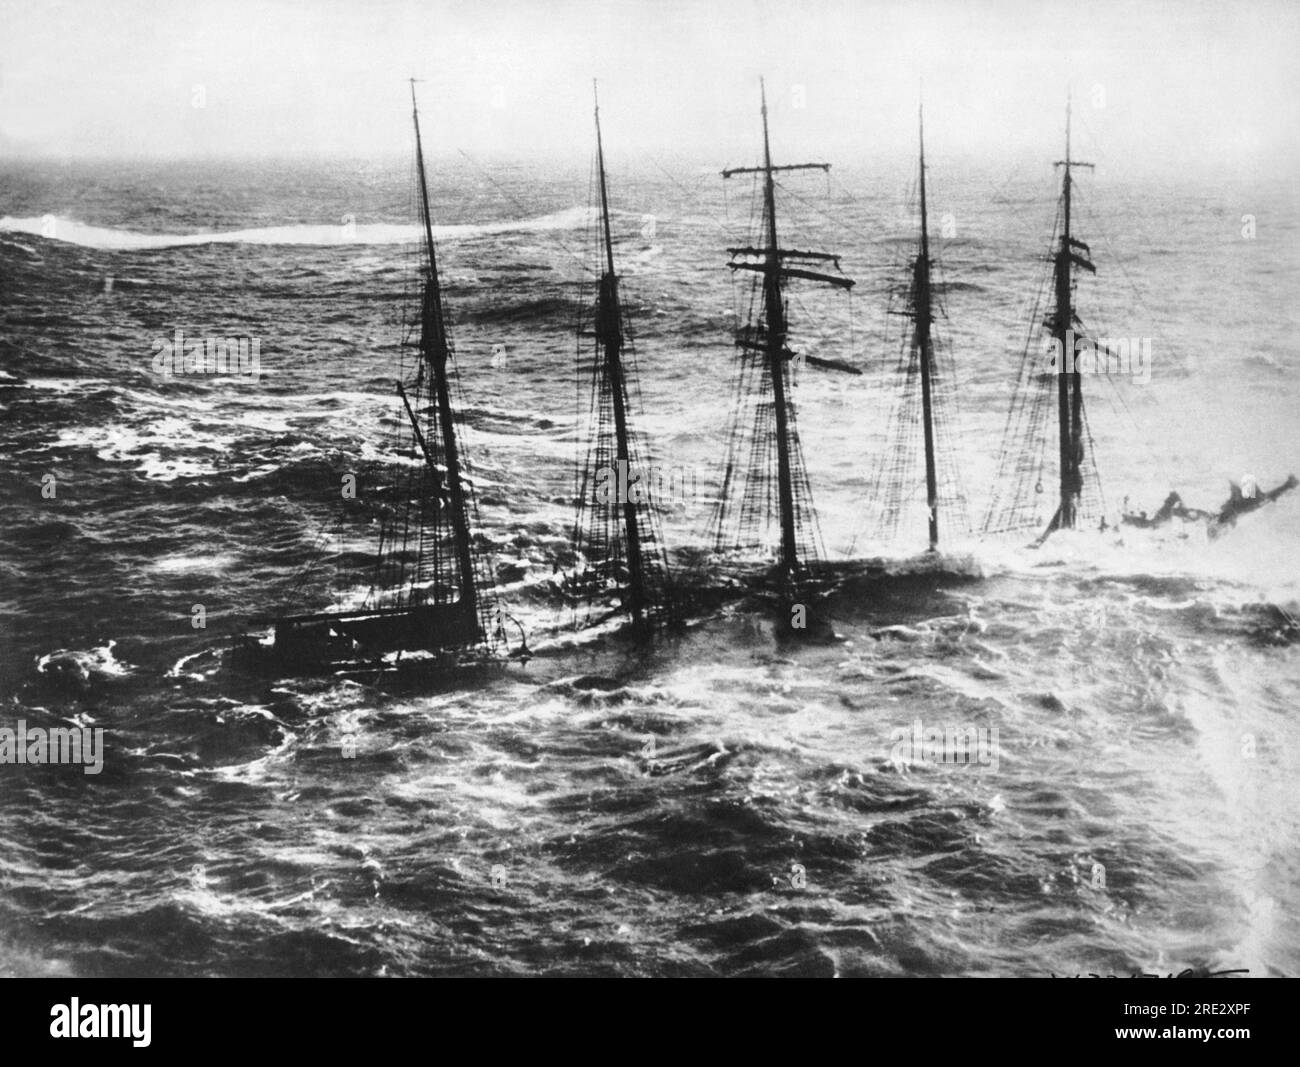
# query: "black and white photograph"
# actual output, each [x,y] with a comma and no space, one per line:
[703,488]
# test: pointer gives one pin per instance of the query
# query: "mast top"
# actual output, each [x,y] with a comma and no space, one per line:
[767,167]
[1067,162]
[775,259]
[604,195]
[920,120]
[428,221]
[925,221]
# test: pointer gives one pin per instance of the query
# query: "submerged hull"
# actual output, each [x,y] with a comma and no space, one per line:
[443,634]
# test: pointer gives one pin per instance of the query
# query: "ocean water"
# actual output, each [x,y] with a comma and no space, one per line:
[727,802]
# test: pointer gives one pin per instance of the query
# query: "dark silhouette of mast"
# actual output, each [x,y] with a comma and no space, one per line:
[774,327]
[924,400]
[924,345]
[416,570]
[774,316]
[609,332]
[1069,386]
[435,349]
[1025,439]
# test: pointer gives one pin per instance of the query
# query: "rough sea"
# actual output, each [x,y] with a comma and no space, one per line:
[729,802]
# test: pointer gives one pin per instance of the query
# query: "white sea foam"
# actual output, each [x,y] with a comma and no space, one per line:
[71,231]
[85,664]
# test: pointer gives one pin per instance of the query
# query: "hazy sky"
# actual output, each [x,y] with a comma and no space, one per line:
[1170,84]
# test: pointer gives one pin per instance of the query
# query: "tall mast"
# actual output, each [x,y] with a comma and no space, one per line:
[774,317]
[609,330]
[1069,387]
[775,269]
[436,350]
[777,264]
[924,344]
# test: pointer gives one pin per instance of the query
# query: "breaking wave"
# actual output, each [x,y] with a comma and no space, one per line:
[70,231]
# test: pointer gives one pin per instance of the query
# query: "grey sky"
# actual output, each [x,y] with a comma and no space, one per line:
[1164,84]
